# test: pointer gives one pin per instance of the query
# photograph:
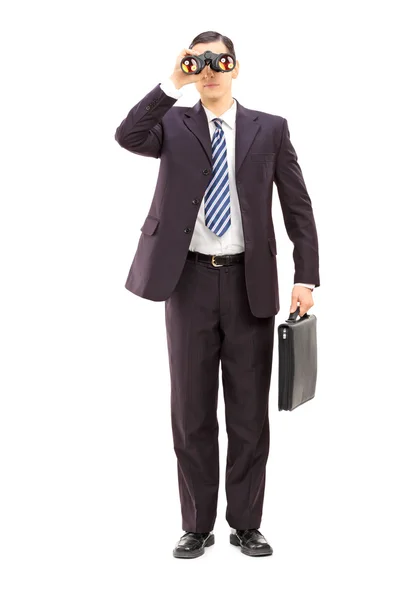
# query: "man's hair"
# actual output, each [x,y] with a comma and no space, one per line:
[213,36]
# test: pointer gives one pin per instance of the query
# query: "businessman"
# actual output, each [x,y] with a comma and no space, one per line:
[208,249]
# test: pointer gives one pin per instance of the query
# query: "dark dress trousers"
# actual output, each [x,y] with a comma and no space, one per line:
[218,315]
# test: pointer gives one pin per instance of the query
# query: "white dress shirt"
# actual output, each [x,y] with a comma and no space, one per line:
[203,239]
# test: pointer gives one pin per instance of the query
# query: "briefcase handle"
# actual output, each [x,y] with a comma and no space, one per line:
[293,315]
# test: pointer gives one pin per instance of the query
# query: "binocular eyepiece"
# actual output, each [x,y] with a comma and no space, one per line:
[193,64]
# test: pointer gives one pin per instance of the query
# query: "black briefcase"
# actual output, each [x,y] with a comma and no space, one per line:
[297,340]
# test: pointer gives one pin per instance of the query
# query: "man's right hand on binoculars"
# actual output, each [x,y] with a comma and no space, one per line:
[179,77]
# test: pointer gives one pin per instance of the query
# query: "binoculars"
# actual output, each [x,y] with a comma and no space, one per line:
[193,64]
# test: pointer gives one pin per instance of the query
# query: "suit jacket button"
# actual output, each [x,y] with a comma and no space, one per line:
[195,201]
[148,107]
[206,171]
[187,230]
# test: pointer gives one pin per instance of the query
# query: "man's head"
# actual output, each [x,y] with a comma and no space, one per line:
[217,43]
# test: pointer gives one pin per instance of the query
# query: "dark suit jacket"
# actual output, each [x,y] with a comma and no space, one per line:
[264,154]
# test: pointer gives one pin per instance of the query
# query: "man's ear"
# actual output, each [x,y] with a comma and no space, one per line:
[235,71]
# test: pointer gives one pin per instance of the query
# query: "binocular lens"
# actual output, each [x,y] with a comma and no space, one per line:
[226,62]
[189,65]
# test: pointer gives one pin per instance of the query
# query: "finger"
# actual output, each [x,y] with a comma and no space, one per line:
[303,309]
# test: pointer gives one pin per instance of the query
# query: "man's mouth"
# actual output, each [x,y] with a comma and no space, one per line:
[211,85]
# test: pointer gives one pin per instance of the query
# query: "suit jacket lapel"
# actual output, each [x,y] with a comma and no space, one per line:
[195,119]
[246,128]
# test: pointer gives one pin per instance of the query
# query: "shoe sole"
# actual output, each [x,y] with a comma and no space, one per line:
[194,553]
[235,542]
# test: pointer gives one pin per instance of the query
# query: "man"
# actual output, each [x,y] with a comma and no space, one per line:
[208,249]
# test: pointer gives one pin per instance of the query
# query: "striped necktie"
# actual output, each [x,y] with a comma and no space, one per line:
[217,211]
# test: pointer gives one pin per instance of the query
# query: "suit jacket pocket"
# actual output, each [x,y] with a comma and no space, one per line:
[272,245]
[263,156]
[150,225]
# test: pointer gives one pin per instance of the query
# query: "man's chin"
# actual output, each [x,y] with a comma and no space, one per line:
[208,92]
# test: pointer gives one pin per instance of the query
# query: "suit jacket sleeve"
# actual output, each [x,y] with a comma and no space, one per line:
[141,131]
[297,210]
[169,88]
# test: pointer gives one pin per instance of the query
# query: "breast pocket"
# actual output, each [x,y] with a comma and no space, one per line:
[262,157]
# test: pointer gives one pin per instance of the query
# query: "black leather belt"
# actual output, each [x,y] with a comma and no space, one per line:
[217,260]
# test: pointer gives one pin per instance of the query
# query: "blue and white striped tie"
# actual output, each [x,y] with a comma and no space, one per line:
[217,211]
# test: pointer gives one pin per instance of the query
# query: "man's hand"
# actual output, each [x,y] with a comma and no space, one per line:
[180,78]
[303,295]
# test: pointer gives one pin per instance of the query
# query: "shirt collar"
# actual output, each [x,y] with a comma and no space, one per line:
[229,116]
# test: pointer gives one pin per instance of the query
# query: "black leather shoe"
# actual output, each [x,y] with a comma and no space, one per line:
[251,541]
[192,544]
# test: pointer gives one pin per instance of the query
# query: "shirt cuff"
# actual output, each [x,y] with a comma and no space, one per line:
[168,87]
[309,285]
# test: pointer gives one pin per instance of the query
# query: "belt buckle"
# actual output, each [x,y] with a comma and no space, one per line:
[213,261]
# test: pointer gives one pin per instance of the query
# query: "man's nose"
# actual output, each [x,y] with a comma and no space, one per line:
[207,71]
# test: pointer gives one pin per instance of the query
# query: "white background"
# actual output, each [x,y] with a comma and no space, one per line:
[89,494]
